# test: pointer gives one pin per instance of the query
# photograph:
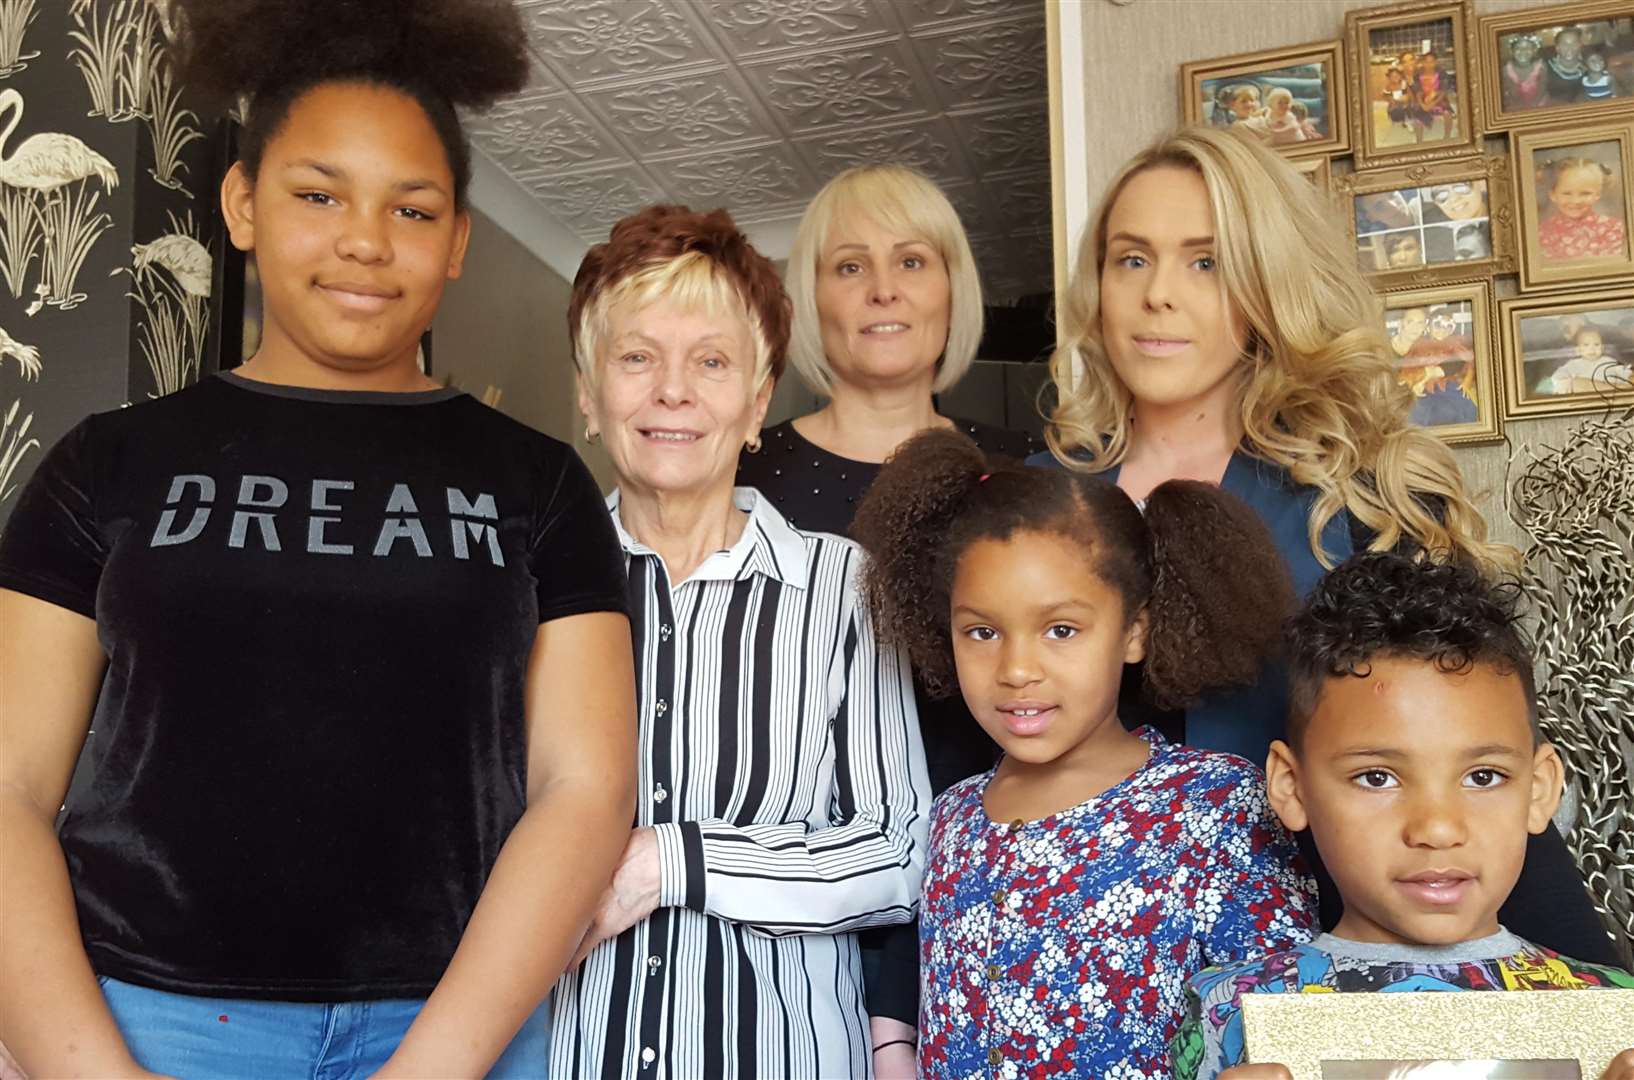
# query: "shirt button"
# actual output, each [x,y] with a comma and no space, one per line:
[777,472]
[994,971]
[662,707]
[653,964]
[815,463]
[648,1055]
[816,491]
[1017,825]
[659,794]
[665,631]
[994,1056]
[999,897]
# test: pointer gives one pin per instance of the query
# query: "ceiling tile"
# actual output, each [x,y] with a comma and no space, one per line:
[1013,137]
[532,135]
[751,179]
[588,40]
[686,112]
[926,145]
[750,27]
[853,88]
[590,203]
[1023,199]
[935,12]
[981,65]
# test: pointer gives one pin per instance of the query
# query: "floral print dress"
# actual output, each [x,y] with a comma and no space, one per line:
[1061,947]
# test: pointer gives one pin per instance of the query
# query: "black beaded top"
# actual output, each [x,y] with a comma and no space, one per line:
[819,491]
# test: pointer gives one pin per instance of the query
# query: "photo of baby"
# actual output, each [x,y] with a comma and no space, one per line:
[1434,350]
[1282,106]
[1580,209]
[1412,84]
[1547,66]
[1424,226]
[1586,352]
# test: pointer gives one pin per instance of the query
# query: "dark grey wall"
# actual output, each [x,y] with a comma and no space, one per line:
[106,223]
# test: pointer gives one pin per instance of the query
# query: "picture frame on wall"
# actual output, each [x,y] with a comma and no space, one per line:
[1319,171]
[1575,204]
[1291,99]
[1432,224]
[1443,344]
[1567,353]
[1414,82]
[1543,66]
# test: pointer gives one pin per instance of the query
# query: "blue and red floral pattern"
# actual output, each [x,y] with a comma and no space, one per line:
[1061,947]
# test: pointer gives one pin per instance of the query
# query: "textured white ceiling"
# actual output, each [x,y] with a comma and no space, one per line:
[753,104]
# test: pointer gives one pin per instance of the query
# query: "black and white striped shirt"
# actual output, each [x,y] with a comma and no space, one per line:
[782,771]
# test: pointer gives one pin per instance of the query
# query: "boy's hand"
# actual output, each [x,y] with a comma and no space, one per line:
[1621,1067]
[1264,1072]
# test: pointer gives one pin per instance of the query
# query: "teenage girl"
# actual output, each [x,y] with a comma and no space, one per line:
[1071,890]
[354,643]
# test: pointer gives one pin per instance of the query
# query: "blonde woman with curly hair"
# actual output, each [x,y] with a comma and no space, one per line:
[1220,331]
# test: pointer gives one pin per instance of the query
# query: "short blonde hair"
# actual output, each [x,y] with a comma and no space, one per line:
[901,200]
[697,261]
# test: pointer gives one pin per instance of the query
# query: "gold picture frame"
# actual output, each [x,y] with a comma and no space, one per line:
[1408,108]
[1551,258]
[1536,350]
[1305,1031]
[1203,82]
[1319,171]
[1508,86]
[1454,220]
[1445,349]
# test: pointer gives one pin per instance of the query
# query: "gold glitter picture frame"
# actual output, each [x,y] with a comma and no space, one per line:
[1304,1031]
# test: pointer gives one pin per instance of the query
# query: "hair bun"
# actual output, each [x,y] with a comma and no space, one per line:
[467,51]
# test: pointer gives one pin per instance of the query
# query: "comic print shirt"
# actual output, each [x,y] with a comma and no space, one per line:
[1211,1038]
[1060,947]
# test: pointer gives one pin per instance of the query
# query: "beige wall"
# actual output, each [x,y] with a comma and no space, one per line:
[504,324]
[1131,94]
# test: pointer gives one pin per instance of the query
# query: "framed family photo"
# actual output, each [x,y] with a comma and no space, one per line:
[1576,202]
[1570,353]
[1442,343]
[1292,99]
[1432,224]
[1545,66]
[1571,1035]
[1413,74]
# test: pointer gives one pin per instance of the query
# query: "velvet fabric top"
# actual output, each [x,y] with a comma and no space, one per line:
[318,608]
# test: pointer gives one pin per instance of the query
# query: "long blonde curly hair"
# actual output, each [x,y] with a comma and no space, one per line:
[1318,393]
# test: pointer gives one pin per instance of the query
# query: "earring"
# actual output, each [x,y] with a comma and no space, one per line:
[590,436]
[753,445]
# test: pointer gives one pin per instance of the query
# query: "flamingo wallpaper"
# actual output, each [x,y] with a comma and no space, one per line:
[107,221]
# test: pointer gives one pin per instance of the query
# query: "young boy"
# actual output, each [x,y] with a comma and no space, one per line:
[1414,758]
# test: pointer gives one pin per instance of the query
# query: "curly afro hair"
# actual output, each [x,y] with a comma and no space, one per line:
[1381,604]
[442,53]
[1199,562]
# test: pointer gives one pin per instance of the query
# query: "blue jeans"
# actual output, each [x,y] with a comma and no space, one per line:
[201,1038]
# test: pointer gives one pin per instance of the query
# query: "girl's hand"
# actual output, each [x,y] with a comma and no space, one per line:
[1621,1067]
[1257,1072]
[896,1048]
[632,896]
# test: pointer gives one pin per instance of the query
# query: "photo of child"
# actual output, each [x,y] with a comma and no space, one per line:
[1580,202]
[1427,226]
[1281,106]
[1434,352]
[1412,84]
[1546,66]
[1578,353]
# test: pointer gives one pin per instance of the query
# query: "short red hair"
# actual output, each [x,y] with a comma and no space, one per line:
[651,238]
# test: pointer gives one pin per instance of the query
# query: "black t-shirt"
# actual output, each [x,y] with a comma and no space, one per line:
[318,609]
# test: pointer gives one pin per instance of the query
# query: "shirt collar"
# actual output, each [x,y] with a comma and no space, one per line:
[769,544]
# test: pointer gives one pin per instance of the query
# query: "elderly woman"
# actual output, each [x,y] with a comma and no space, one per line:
[887,313]
[783,799]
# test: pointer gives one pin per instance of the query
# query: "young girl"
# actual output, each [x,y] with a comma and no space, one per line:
[1597,84]
[1523,85]
[1072,889]
[1280,121]
[354,642]
[1574,228]
[1432,100]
